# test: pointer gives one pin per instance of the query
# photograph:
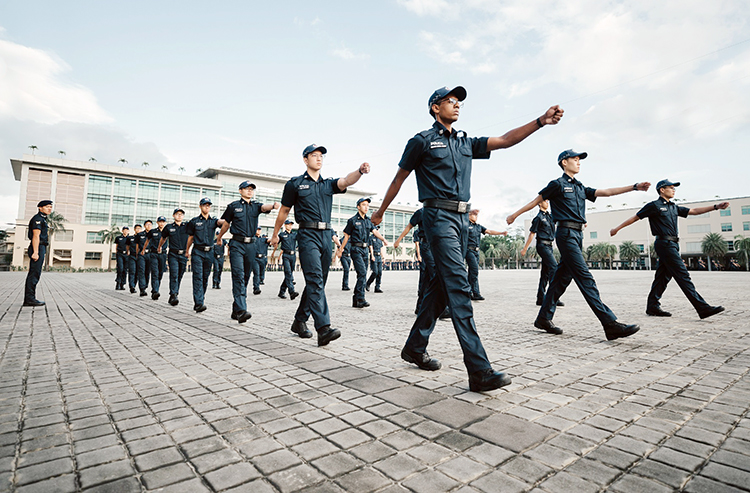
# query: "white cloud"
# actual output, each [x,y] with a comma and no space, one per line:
[426,7]
[346,54]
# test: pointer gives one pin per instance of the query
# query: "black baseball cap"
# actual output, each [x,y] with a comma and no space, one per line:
[43,203]
[178,210]
[666,183]
[364,199]
[441,93]
[206,200]
[568,153]
[246,184]
[312,148]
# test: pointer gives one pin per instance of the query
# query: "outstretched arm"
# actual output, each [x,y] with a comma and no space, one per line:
[269,207]
[380,236]
[496,233]
[625,223]
[390,194]
[695,211]
[609,192]
[402,235]
[353,177]
[538,200]
[513,137]
[528,242]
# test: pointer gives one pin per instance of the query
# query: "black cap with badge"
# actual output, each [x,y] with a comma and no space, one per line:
[441,93]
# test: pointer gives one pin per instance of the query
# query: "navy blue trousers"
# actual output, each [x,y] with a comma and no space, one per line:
[572,267]
[144,270]
[346,264]
[177,267]
[448,233]
[315,260]
[472,260]
[122,269]
[218,268]
[359,259]
[426,272]
[259,271]
[377,271]
[289,261]
[241,260]
[670,265]
[158,263]
[549,265]
[35,273]
[201,263]
[132,271]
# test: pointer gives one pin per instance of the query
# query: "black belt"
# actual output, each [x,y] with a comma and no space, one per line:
[244,239]
[544,242]
[448,205]
[288,252]
[676,239]
[344,254]
[177,252]
[361,245]
[570,225]
[313,225]
[118,253]
[43,244]
[204,248]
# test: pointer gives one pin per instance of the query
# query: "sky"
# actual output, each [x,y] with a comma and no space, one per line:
[650,90]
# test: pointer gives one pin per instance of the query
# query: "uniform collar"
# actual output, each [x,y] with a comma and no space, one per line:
[307,176]
[243,201]
[664,201]
[441,130]
[568,179]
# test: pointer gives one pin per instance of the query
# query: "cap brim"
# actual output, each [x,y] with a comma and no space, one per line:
[319,148]
[459,92]
[676,184]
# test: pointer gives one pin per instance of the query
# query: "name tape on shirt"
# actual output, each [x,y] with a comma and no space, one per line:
[304,187]
[568,189]
[438,145]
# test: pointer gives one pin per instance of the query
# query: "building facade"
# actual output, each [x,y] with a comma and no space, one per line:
[93,197]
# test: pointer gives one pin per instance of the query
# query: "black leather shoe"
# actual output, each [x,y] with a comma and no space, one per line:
[560,303]
[173,300]
[367,286]
[345,288]
[486,380]
[143,293]
[293,295]
[539,303]
[711,311]
[33,303]
[262,283]
[362,304]
[326,334]
[155,296]
[256,291]
[200,308]
[234,316]
[446,314]
[615,330]
[282,296]
[218,287]
[548,325]
[132,290]
[300,328]
[657,312]
[378,290]
[243,317]
[422,360]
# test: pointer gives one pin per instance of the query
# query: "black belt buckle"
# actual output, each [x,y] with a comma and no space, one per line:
[179,252]
[206,248]
[545,242]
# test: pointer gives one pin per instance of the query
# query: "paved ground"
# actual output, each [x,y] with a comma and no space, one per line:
[105,391]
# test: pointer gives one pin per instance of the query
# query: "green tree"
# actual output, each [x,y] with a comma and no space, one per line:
[181,169]
[394,251]
[629,252]
[145,164]
[411,252]
[33,148]
[108,236]
[55,222]
[714,245]
[742,247]
[92,159]
[164,167]
[122,160]
[61,153]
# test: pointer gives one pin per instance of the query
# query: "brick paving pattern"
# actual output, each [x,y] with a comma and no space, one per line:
[106,391]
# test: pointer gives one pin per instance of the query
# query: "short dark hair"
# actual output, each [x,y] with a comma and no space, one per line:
[137,226]
[147,221]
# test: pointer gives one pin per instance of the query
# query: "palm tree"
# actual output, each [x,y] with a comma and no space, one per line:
[629,252]
[108,236]
[122,160]
[491,252]
[33,148]
[164,167]
[609,251]
[181,169]
[55,222]
[394,251]
[144,164]
[742,247]
[92,159]
[199,171]
[411,252]
[61,153]
[714,245]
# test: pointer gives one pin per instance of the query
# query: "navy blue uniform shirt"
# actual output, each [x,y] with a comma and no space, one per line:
[140,239]
[131,242]
[177,236]
[122,243]
[359,228]
[442,162]
[219,249]
[153,239]
[312,200]
[288,241]
[376,244]
[543,226]
[475,234]
[39,221]
[662,216]
[568,198]
[243,217]
[202,230]
[261,246]
[416,222]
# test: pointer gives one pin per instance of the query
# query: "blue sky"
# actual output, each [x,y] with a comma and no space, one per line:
[649,90]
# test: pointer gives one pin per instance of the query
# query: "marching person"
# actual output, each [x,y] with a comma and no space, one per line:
[122,248]
[568,197]
[662,216]
[312,198]
[38,234]
[133,258]
[442,160]
[241,220]
[346,264]
[358,229]
[472,255]
[201,232]
[376,262]
[543,227]
[288,244]
[219,253]
[157,260]
[176,235]
[261,259]
[143,266]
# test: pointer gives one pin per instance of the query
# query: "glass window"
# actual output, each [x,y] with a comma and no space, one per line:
[693,247]
[147,206]
[641,248]
[699,228]
[746,226]
[123,202]
[745,210]
[726,227]
[170,200]
[94,237]
[593,235]
[725,212]
[63,235]
[730,246]
[98,200]
[93,255]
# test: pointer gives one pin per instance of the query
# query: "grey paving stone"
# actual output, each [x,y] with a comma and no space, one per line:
[526,469]
[105,473]
[409,397]
[497,482]
[374,384]
[463,469]
[295,478]
[430,481]
[726,474]
[101,456]
[336,464]
[45,455]
[158,458]
[189,486]
[276,461]
[43,471]
[457,441]
[167,475]
[124,485]
[700,484]
[454,413]
[315,448]
[60,484]
[364,480]
[667,474]
[631,483]
[593,471]
[509,432]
